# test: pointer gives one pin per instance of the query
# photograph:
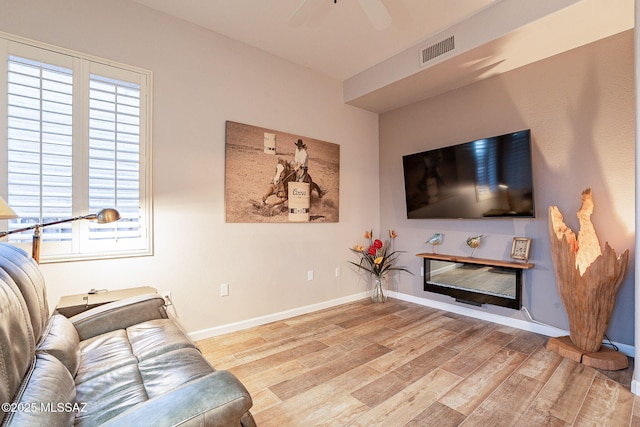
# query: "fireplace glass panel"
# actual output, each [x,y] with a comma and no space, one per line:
[483,279]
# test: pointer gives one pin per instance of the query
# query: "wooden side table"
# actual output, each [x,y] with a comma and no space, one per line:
[70,305]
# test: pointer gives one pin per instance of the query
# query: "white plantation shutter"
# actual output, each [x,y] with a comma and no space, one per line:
[77,141]
[114,155]
[39,146]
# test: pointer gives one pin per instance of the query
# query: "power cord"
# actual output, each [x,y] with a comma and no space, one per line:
[169,306]
[526,311]
[615,347]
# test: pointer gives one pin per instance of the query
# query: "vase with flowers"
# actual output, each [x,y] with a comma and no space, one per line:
[378,259]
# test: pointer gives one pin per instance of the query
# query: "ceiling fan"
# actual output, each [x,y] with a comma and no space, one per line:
[374,9]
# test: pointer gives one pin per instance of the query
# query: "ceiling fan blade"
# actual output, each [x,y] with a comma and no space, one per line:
[305,10]
[377,13]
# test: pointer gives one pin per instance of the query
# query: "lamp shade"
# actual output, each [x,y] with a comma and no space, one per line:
[107,215]
[5,211]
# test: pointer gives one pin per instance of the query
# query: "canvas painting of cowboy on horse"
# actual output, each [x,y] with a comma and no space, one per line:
[263,166]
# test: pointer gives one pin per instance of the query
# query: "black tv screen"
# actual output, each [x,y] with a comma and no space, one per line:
[485,178]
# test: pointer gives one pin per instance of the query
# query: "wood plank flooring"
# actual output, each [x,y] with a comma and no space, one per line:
[402,364]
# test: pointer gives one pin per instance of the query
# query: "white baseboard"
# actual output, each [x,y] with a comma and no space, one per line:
[536,327]
[263,320]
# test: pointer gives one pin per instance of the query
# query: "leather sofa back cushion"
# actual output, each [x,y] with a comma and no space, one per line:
[60,340]
[47,397]
[17,343]
[25,273]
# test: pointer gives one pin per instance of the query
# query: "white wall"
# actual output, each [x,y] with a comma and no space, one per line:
[201,80]
[580,108]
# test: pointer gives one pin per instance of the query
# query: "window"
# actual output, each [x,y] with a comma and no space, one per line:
[75,139]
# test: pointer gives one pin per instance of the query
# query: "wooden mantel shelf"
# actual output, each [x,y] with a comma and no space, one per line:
[481,261]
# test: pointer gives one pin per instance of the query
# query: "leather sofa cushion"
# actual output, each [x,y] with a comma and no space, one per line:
[109,394]
[60,339]
[121,347]
[124,367]
[215,400]
[47,396]
[155,337]
[169,371]
[104,353]
[120,389]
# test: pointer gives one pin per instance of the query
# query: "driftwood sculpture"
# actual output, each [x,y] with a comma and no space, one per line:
[588,278]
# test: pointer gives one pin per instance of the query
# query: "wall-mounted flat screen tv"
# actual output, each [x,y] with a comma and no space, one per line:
[486,178]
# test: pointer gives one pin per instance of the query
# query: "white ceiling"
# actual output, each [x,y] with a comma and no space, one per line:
[338,40]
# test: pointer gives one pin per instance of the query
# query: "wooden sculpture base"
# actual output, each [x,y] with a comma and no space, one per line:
[606,358]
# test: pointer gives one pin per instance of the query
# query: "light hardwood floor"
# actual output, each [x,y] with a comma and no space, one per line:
[402,364]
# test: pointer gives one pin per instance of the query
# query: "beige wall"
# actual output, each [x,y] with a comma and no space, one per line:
[201,80]
[580,109]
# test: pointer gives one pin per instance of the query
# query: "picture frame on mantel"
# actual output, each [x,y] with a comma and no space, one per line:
[520,248]
[253,154]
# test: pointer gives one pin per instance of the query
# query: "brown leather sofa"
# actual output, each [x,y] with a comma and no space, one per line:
[123,363]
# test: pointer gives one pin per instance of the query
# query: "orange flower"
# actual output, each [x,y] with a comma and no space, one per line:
[358,248]
[392,234]
[368,234]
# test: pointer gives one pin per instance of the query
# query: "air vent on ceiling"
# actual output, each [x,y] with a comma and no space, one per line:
[437,49]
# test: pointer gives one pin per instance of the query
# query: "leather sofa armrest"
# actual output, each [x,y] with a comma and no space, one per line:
[218,399]
[119,315]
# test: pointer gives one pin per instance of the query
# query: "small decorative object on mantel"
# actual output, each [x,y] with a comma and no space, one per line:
[588,280]
[474,242]
[378,259]
[435,240]
[520,248]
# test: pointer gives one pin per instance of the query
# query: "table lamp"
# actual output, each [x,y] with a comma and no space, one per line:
[102,217]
